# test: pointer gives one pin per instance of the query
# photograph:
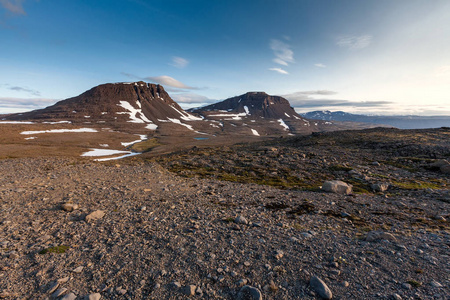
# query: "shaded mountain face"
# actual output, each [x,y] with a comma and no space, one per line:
[137,102]
[254,105]
[257,113]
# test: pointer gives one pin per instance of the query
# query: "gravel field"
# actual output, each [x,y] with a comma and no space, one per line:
[133,230]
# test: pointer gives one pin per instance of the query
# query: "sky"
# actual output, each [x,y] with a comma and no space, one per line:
[371,57]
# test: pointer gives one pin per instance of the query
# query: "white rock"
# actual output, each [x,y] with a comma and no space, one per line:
[70,296]
[337,186]
[96,215]
[95,296]
[241,220]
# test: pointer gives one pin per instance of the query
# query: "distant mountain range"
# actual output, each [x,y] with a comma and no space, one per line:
[401,122]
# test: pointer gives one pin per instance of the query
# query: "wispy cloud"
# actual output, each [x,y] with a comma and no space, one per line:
[353,42]
[191,98]
[279,70]
[169,81]
[282,51]
[21,89]
[319,65]
[26,90]
[179,62]
[13,6]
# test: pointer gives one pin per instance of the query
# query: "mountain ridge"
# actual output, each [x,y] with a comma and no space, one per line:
[401,122]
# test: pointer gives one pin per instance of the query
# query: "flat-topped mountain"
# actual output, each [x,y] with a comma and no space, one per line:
[254,105]
[136,102]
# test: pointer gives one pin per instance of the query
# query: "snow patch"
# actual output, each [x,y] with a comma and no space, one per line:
[255,132]
[15,122]
[230,116]
[30,138]
[186,116]
[176,121]
[246,110]
[136,115]
[287,115]
[283,124]
[118,157]
[151,126]
[60,131]
[142,137]
[58,122]
[103,152]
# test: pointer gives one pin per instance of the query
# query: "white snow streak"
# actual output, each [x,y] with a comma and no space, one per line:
[142,138]
[136,115]
[255,132]
[176,121]
[103,152]
[283,124]
[60,131]
[15,122]
[118,157]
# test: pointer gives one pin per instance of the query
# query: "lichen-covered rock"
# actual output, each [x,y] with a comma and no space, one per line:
[337,186]
[380,187]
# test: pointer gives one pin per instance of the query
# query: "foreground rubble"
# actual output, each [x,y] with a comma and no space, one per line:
[73,228]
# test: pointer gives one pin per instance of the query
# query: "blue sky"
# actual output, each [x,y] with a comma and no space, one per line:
[372,56]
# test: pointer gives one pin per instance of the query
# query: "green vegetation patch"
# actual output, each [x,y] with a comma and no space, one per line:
[56,249]
[146,145]
[416,185]
[414,283]
[340,168]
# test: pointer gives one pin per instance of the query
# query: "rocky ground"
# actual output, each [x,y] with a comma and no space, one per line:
[248,215]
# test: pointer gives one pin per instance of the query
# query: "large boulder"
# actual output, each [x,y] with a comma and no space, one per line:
[320,288]
[337,186]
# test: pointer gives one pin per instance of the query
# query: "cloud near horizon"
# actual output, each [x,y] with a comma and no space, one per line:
[353,42]
[306,99]
[191,98]
[319,65]
[15,105]
[13,6]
